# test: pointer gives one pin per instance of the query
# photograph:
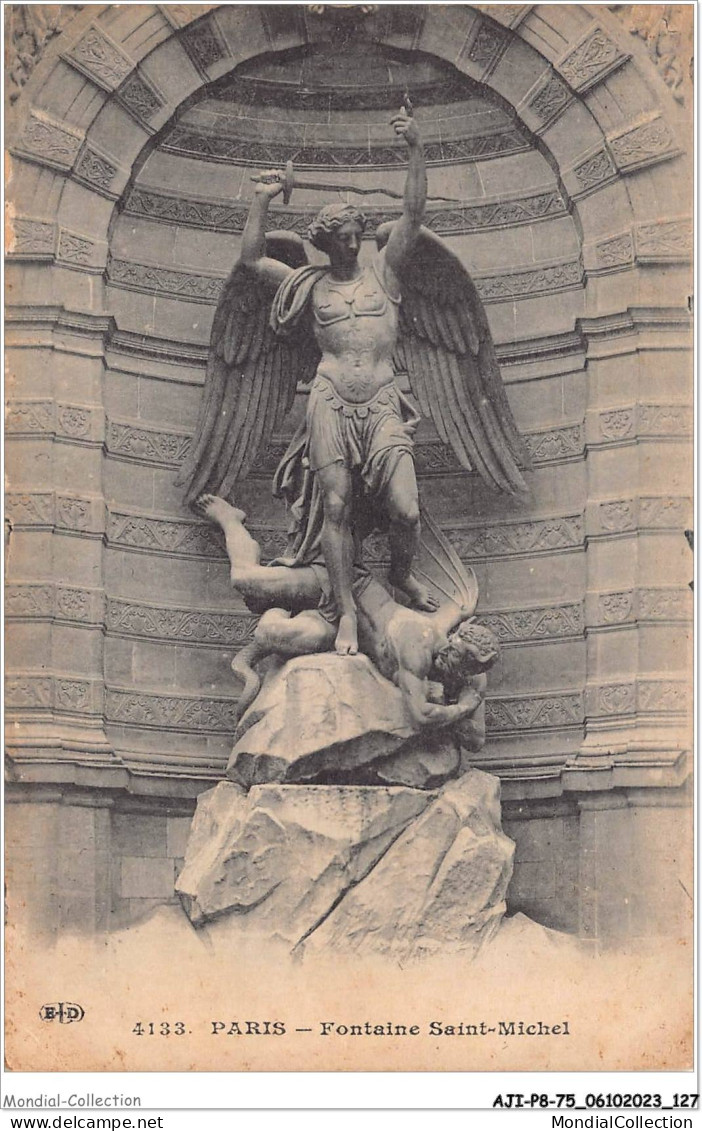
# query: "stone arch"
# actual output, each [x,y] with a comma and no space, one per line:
[115,81]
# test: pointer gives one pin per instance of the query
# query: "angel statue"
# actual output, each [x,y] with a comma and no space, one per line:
[347,330]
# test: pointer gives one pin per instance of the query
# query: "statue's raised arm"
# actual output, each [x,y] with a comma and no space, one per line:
[405,231]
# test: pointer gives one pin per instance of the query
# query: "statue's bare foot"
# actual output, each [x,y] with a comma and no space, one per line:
[347,636]
[219,510]
[419,595]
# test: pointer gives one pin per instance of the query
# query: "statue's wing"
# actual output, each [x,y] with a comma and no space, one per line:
[439,567]
[446,348]
[251,377]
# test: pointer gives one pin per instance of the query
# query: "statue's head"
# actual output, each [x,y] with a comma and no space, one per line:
[470,650]
[334,223]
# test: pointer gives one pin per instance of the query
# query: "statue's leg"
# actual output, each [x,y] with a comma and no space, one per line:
[338,549]
[402,505]
[242,549]
[300,635]
[284,585]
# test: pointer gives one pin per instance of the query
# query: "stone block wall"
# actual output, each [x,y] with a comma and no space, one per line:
[129,182]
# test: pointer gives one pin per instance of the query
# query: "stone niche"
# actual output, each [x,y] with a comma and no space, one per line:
[133,134]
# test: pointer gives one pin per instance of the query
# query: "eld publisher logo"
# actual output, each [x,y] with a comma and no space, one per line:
[62,1011]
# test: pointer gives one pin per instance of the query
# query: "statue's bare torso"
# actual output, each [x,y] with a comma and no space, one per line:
[355,324]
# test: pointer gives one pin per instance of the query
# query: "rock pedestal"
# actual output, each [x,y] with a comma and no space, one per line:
[335,719]
[344,828]
[397,871]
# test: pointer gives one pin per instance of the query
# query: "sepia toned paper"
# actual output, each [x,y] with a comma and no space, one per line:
[559,147]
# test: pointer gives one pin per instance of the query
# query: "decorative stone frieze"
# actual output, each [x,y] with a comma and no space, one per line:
[665,241]
[80,423]
[187,626]
[219,715]
[547,279]
[540,536]
[47,141]
[648,696]
[164,280]
[204,44]
[490,41]
[140,97]
[610,699]
[536,712]
[549,98]
[593,172]
[645,143]
[98,57]
[171,712]
[555,444]
[663,604]
[216,215]
[205,146]
[615,251]
[536,625]
[645,513]
[99,172]
[591,60]
[31,239]
[631,606]
[132,441]
[194,539]
[59,694]
[161,535]
[617,423]
[53,511]
[627,423]
[663,696]
[48,601]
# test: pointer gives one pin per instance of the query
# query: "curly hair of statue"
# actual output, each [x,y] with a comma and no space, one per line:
[329,219]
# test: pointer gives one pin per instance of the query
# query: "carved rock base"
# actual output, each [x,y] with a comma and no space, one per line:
[393,871]
[335,719]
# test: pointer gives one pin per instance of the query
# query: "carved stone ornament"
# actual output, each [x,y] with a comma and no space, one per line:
[47,141]
[171,712]
[594,171]
[227,217]
[616,251]
[643,144]
[215,146]
[550,100]
[31,239]
[97,171]
[100,58]
[489,43]
[204,44]
[591,60]
[140,97]
[665,241]
[667,32]
[193,287]
[29,29]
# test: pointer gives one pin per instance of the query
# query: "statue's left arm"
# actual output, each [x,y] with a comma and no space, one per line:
[406,230]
